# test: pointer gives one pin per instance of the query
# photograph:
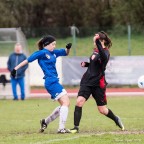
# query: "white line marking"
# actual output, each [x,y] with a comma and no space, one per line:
[91,134]
[56,140]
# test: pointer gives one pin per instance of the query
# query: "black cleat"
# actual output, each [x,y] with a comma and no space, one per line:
[43,125]
[74,130]
[119,123]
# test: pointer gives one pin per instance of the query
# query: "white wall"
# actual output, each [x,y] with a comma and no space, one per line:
[7,90]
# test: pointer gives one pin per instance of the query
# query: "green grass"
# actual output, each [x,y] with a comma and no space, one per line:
[6,49]
[19,122]
[84,46]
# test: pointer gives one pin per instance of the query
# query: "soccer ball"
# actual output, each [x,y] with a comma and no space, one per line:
[141,82]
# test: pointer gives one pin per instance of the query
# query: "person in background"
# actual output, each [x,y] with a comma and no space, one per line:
[93,81]
[46,56]
[14,59]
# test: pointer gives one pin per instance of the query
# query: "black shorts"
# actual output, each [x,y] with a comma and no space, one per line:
[99,94]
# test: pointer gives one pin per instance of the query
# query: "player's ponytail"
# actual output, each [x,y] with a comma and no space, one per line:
[104,36]
[40,44]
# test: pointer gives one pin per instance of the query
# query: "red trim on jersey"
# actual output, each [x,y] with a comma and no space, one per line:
[96,49]
[105,99]
[102,82]
[103,85]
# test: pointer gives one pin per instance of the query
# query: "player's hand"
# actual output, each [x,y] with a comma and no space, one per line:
[83,64]
[96,37]
[13,73]
[68,46]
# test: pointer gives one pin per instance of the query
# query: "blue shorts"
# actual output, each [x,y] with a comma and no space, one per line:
[55,89]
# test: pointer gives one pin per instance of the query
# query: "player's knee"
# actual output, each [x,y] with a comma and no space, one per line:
[103,110]
[80,101]
[65,101]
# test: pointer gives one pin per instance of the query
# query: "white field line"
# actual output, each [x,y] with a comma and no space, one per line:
[56,140]
[91,134]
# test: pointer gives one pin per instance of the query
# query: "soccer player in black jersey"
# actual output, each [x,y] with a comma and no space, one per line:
[93,81]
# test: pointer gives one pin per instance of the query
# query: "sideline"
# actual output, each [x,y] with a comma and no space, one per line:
[47,95]
[109,92]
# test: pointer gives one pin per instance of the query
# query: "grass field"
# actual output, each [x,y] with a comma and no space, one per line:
[19,122]
[84,46]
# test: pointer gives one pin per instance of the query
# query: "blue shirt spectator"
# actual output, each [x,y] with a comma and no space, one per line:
[14,59]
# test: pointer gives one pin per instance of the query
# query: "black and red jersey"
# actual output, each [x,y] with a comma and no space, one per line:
[96,66]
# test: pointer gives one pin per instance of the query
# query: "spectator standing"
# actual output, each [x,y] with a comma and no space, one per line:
[14,59]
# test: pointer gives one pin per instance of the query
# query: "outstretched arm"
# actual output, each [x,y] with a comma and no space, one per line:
[23,63]
[13,72]
[103,54]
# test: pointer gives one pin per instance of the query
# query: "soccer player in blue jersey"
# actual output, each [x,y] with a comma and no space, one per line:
[46,56]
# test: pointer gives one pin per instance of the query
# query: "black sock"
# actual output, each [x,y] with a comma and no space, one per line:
[77,115]
[111,115]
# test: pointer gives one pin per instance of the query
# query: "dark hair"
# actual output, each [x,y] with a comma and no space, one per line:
[104,36]
[46,40]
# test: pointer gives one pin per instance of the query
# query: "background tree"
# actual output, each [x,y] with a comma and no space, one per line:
[63,13]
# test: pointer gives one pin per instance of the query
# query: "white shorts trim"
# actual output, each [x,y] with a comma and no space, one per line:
[64,92]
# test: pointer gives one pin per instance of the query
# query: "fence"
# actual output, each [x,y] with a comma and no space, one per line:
[127,39]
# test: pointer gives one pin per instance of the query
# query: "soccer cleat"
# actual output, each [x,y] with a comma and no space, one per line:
[43,125]
[74,130]
[63,131]
[119,123]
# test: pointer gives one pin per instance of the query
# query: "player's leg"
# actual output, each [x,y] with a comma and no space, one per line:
[64,102]
[58,93]
[78,113]
[14,88]
[22,87]
[100,98]
[83,95]
[45,122]
[107,112]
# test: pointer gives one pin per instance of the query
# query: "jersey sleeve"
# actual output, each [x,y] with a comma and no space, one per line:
[103,54]
[60,52]
[35,55]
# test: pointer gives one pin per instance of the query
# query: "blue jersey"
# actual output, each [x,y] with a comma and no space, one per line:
[47,61]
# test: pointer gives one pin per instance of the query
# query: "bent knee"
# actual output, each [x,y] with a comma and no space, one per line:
[103,110]
[80,101]
[64,100]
